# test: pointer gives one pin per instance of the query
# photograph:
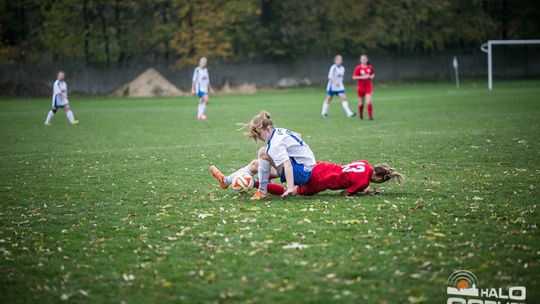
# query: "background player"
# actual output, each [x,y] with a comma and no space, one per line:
[335,87]
[201,87]
[364,74]
[60,100]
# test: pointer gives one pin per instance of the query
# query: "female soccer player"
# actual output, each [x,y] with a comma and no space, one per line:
[353,178]
[364,74]
[60,100]
[335,87]
[286,155]
[201,87]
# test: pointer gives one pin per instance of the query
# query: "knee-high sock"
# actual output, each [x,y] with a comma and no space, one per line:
[203,108]
[70,116]
[50,116]
[199,110]
[370,110]
[229,179]
[264,174]
[361,109]
[325,108]
[345,106]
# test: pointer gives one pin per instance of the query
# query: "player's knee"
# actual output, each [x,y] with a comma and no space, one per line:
[262,153]
[254,165]
[54,110]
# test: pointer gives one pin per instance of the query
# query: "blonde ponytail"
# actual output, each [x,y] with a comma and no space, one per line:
[256,125]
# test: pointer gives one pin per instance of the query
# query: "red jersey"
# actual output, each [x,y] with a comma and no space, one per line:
[362,71]
[353,176]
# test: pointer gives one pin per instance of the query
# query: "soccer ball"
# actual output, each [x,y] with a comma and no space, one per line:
[243,183]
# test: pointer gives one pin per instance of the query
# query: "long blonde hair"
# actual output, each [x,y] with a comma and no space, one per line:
[256,125]
[383,173]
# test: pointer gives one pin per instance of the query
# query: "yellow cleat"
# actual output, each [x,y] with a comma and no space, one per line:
[48,124]
[258,196]
[221,179]
[75,122]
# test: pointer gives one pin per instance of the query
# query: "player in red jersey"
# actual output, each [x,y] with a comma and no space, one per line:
[353,178]
[364,74]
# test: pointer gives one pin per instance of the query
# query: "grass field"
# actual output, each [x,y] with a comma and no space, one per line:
[121,208]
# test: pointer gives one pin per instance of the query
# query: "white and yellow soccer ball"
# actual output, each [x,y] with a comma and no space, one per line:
[243,183]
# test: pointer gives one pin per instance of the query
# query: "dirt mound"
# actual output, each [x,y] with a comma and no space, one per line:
[24,89]
[245,88]
[149,84]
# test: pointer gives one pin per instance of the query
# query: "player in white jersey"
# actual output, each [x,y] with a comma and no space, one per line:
[286,156]
[335,87]
[201,87]
[60,100]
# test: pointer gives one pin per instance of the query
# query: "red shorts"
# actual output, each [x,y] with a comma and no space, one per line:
[364,90]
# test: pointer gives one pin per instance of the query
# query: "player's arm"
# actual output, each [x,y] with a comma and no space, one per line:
[372,75]
[289,178]
[356,74]
[193,81]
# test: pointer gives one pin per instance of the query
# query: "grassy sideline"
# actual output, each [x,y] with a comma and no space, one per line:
[121,208]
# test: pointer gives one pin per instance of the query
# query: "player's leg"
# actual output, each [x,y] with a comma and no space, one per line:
[369,102]
[264,170]
[361,99]
[50,116]
[345,105]
[326,105]
[69,115]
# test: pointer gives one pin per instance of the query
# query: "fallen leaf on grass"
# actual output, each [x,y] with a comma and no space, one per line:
[295,245]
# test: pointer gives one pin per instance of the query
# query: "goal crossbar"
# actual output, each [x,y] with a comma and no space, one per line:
[488,48]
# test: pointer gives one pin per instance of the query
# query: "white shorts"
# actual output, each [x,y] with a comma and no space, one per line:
[59,102]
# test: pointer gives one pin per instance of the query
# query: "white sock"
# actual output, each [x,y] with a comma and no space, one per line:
[50,116]
[325,108]
[200,110]
[203,108]
[264,175]
[70,117]
[345,106]
[229,179]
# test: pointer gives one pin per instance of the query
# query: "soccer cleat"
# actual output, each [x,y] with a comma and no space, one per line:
[217,174]
[324,115]
[352,115]
[258,196]
[75,122]
[48,124]
[203,117]
[371,118]
[361,116]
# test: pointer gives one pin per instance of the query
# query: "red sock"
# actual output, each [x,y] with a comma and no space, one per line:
[276,189]
[272,188]
[370,110]
[361,109]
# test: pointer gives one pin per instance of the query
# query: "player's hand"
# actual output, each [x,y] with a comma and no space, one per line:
[192,91]
[287,193]
[211,90]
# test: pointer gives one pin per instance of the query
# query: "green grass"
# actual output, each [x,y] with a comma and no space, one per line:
[121,208]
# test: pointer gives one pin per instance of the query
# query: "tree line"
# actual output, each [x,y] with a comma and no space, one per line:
[178,32]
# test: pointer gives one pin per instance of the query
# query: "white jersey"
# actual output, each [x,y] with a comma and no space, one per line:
[335,78]
[284,144]
[201,79]
[58,100]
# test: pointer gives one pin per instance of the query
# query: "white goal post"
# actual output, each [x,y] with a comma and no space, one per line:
[488,48]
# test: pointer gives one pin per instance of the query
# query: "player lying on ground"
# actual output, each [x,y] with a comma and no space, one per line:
[353,178]
[60,100]
[286,155]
